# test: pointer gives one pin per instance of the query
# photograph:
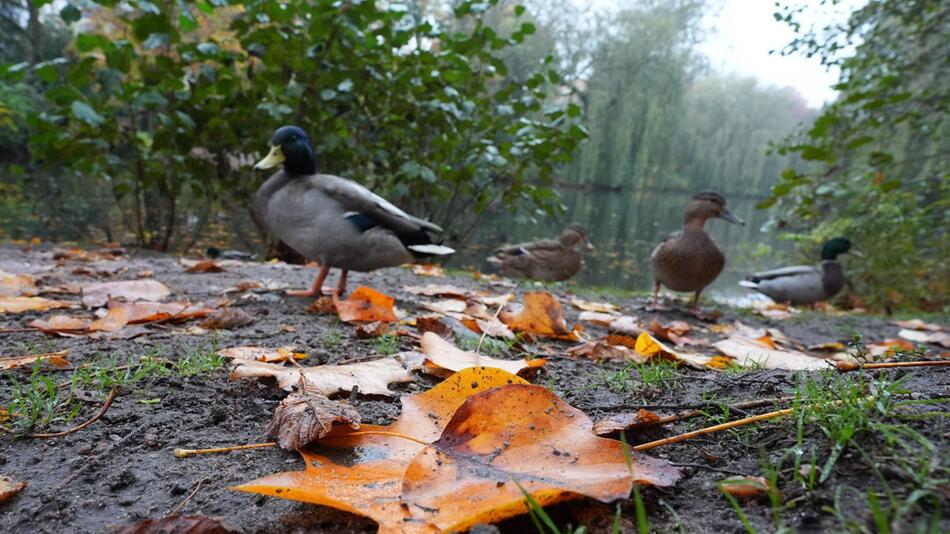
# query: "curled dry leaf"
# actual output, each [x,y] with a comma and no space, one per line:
[372,377]
[227,318]
[56,358]
[541,315]
[522,433]
[649,346]
[16,285]
[95,295]
[428,269]
[303,418]
[588,306]
[262,354]
[625,421]
[25,304]
[205,266]
[746,487]
[9,488]
[363,474]
[756,353]
[365,304]
[116,318]
[371,330]
[177,524]
[448,356]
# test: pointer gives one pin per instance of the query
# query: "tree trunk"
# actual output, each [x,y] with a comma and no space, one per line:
[35,29]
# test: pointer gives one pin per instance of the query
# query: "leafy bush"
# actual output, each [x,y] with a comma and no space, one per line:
[169,102]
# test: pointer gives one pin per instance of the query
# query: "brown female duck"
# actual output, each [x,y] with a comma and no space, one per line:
[546,259]
[689,260]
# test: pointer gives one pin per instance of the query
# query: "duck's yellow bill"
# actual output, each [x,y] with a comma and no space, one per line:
[274,158]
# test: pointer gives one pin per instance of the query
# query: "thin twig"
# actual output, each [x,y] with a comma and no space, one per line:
[709,467]
[376,433]
[105,407]
[185,453]
[845,367]
[18,330]
[493,319]
[737,406]
[188,498]
[713,429]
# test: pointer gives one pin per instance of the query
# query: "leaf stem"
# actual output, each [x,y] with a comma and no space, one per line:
[185,453]
[845,367]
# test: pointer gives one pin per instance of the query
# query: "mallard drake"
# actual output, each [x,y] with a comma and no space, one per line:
[804,284]
[546,259]
[689,260]
[334,221]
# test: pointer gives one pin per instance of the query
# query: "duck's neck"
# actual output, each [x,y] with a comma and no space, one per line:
[832,276]
[695,223]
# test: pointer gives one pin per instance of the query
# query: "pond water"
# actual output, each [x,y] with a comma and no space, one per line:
[625,226]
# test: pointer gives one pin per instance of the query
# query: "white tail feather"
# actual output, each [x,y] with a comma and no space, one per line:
[748,283]
[438,250]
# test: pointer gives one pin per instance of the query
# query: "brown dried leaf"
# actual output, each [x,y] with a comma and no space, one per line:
[177,524]
[746,487]
[227,318]
[115,319]
[262,354]
[205,266]
[94,295]
[56,358]
[371,330]
[933,338]
[541,315]
[625,421]
[303,418]
[60,324]
[16,285]
[365,304]
[442,290]
[600,350]
[25,304]
[433,324]
[917,324]
[9,488]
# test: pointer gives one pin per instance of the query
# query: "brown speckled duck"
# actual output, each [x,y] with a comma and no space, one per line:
[546,259]
[689,260]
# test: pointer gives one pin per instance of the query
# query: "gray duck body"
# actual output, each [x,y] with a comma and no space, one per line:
[314,215]
[801,284]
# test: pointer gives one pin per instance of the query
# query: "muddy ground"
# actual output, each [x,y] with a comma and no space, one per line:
[121,469]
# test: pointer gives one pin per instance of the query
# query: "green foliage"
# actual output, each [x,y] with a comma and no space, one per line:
[880,154]
[171,107]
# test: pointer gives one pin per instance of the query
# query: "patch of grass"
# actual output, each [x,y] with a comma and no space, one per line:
[37,402]
[332,337]
[633,376]
[386,344]
[199,362]
[490,346]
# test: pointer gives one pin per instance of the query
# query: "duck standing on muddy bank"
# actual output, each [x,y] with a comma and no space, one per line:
[545,259]
[689,260]
[335,221]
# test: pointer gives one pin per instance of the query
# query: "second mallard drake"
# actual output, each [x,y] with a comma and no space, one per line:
[804,284]
[334,221]
[546,259]
[689,260]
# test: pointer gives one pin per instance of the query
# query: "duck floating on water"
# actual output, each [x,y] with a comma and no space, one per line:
[335,221]
[804,284]
[689,260]
[545,259]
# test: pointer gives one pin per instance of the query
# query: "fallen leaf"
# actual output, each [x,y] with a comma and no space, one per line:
[490,327]
[290,329]
[322,306]
[830,346]
[365,304]
[262,354]
[520,433]
[602,350]
[674,331]
[115,319]
[428,269]
[934,338]
[448,356]
[363,474]
[371,330]
[649,346]
[753,353]
[441,290]
[140,312]
[602,307]
[16,285]
[626,325]
[451,307]
[541,315]
[243,286]
[148,273]
[433,324]
[598,318]
[917,324]
[56,358]
[721,328]
[372,377]
[9,488]
[625,421]
[622,340]
[303,418]
[205,266]
[746,487]
[227,318]
[94,295]
[25,304]
[176,524]
[60,324]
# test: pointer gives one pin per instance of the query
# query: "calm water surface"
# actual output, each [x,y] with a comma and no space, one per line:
[625,226]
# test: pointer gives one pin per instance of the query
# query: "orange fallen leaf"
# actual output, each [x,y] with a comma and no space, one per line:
[365,473]
[60,324]
[56,358]
[94,295]
[114,320]
[448,356]
[674,331]
[16,285]
[365,304]
[541,315]
[889,347]
[491,327]
[625,421]
[830,346]
[433,324]
[25,304]
[262,354]
[176,524]
[428,269]
[9,488]
[746,487]
[372,377]
[520,433]
[205,266]
[649,346]
[767,341]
